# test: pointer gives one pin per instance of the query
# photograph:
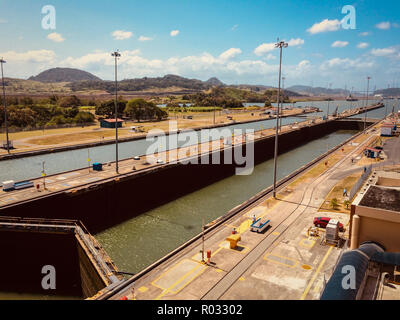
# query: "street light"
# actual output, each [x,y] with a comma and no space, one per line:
[329,100]
[280,45]
[116,55]
[2,61]
[366,105]
[283,90]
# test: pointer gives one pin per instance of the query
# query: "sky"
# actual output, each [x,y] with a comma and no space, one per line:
[232,40]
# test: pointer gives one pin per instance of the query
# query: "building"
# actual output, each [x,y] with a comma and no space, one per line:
[110,123]
[372,153]
[388,129]
[374,243]
[375,212]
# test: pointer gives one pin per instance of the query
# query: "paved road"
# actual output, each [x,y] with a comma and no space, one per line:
[307,195]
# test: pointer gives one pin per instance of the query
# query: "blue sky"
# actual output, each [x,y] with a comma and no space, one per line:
[231,40]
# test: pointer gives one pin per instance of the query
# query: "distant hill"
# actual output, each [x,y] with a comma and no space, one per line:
[147,84]
[64,75]
[318,91]
[214,82]
[390,92]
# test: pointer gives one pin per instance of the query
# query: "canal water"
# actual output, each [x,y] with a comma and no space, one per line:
[138,242]
[31,167]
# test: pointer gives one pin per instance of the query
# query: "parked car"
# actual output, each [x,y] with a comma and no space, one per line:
[136,158]
[322,222]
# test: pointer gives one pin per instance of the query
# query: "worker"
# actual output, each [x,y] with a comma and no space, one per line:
[254,218]
[345,193]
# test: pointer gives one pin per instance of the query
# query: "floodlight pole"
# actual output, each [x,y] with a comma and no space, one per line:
[280,45]
[366,105]
[116,55]
[329,100]
[5,106]
[283,93]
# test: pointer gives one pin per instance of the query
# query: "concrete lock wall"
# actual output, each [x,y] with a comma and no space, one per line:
[23,255]
[91,282]
[112,202]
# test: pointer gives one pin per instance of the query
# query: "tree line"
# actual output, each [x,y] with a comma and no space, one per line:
[135,109]
[27,112]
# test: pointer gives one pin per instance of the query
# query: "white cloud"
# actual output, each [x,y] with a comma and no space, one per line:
[363,45]
[56,37]
[304,64]
[234,27]
[346,63]
[295,42]
[340,44]
[98,58]
[143,38]
[364,34]
[32,56]
[384,52]
[3,20]
[132,65]
[121,35]
[383,25]
[230,53]
[174,33]
[264,48]
[325,26]
[270,56]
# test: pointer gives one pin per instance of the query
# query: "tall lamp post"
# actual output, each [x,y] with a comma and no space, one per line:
[116,55]
[280,45]
[2,61]
[329,100]
[283,93]
[366,105]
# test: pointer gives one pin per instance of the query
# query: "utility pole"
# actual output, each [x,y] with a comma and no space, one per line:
[116,55]
[5,106]
[202,237]
[44,175]
[88,159]
[329,100]
[280,45]
[366,105]
[283,93]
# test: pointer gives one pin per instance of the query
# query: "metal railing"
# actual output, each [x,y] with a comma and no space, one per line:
[360,182]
